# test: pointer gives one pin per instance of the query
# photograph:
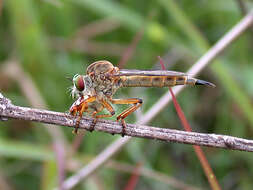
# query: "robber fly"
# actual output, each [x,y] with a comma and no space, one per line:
[94,91]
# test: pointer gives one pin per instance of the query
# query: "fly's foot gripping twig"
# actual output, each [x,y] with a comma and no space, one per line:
[92,126]
[123,124]
[75,131]
[137,102]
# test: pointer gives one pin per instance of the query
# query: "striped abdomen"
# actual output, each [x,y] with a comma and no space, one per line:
[160,81]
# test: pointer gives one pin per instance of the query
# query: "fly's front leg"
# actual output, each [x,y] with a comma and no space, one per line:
[81,105]
[136,104]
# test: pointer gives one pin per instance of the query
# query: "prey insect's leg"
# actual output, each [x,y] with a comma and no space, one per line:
[136,104]
[80,107]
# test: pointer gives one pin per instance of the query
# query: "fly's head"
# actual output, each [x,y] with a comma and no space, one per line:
[82,86]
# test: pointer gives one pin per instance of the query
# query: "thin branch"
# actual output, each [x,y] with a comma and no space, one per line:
[8,110]
[116,146]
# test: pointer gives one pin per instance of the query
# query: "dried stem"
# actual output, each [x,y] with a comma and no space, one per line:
[8,110]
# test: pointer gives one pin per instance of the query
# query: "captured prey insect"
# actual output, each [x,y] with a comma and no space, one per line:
[94,91]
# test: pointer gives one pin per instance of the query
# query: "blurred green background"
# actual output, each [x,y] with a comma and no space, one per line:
[44,41]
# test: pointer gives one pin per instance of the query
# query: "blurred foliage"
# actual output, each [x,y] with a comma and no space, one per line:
[54,39]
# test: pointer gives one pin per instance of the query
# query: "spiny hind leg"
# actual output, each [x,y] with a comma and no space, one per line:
[137,102]
[96,117]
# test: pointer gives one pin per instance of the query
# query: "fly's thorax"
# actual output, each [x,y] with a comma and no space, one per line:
[107,88]
[100,67]
[105,84]
[102,74]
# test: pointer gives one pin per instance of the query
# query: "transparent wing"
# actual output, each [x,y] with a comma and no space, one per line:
[128,72]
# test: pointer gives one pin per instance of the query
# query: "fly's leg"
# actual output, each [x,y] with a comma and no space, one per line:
[136,104]
[84,107]
[81,107]
[96,117]
[75,106]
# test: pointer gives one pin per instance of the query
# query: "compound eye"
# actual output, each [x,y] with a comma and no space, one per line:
[78,82]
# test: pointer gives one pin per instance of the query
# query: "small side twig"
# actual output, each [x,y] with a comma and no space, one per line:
[8,110]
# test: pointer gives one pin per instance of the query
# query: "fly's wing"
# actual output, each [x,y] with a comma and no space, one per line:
[128,72]
[154,78]
[157,78]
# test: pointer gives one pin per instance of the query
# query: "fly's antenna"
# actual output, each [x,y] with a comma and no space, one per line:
[69,78]
[69,89]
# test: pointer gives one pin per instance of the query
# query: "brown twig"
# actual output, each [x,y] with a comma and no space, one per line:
[8,110]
